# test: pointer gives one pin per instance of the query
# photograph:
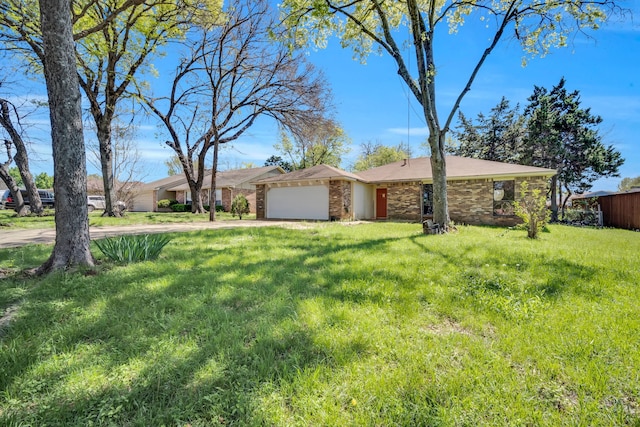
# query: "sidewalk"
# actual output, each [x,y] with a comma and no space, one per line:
[16,237]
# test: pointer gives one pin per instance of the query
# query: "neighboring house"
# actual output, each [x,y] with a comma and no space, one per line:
[620,210]
[147,196]
[479,192]
[228,184]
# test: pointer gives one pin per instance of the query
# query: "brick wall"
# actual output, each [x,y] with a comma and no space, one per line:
[471,201]
[403,201]
[260,205]
[340,200]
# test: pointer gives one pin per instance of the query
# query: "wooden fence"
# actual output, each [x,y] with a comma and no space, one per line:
[621,210]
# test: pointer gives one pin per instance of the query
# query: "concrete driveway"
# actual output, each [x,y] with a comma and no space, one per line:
[16,237]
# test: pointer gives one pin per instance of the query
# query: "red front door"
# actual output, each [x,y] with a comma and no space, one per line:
[381,202]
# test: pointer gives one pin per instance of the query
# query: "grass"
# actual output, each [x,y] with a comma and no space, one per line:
[9,220]
[335,325]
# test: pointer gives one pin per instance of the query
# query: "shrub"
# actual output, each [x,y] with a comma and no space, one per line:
[133,248]
[167,203]
[219,208]
[180,207]
[532,209]
[239,205]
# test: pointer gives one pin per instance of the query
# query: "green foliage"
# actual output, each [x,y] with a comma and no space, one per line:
[331,325]
[180,207]
[627,183]
[374,155]
[133,248]
[496,137]
[174,166]
[278,161]
[240,206]
[563,135]
[167,203]
[15,174]
[324,143]
[44,181]
[532,209]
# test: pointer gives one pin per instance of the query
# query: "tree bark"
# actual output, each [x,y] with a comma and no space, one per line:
[22,162]
[106,163]
[439,173]
[212,191]
[554,198]
[20,208]
[71,248]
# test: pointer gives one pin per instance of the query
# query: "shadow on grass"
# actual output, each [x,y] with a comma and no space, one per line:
[192,336]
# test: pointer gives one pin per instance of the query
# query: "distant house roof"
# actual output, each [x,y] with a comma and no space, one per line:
[591,194]
[164,182]
[317,172]
[230,178]
[419,169]
[602,193]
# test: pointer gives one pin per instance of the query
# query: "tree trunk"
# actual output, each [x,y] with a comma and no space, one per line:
[106,162]
[22,162]
[439,172]
[212,191]
[21,208]
[71,248]
[554,198]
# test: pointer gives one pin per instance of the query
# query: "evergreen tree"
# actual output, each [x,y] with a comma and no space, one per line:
[496,137]
[563,135]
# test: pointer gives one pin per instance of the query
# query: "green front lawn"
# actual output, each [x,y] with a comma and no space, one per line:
[9,220]
[373,325]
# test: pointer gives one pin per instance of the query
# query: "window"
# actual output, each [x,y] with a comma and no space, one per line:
[503,197]
[427,199]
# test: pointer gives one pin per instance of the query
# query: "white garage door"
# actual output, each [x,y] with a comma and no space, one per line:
[142,202]
[311,202]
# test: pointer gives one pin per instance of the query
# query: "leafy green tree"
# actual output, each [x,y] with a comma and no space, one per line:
[538,25]
[562,135]
[15,174]
[44,180]
[240,206]
[109,60]
[627,183]
[174,167]
[496,137]
[375,154]
[320,142]
[278,161]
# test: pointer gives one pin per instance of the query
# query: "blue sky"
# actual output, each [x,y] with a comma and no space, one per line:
[372,102]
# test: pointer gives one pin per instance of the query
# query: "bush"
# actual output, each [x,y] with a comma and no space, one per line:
[167,203]
[127,249]
[532,209]
[239,205]
[219,208]
[181,207]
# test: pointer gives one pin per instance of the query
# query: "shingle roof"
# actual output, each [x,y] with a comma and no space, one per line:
[230,178]
[419,169]
[313,173]
[164,182]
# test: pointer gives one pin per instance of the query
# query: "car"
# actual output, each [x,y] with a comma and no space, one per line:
[99,202]
[46,197]
[95,202]
[3,199]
